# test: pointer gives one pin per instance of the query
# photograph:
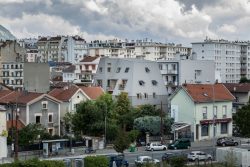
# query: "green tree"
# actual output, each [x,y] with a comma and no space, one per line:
[244,80]
[97,161]
[148,110]
[67,120]
[242,120]
[106,104]
[124,112]
[29,134]
[152,124]
[87,119]
[132,135]
[121,142]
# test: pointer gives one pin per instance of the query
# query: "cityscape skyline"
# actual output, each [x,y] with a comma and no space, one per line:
[175,21]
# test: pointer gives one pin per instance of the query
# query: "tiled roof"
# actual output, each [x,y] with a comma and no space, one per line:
[60,84]
[208,92]
[240,88]
[57,78]
[63,94]
[19,97]
[20,125]
[89,58]
[4,93]
[92,92]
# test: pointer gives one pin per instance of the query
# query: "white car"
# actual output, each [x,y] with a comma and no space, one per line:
[199,156]
[146,159]
[155,146]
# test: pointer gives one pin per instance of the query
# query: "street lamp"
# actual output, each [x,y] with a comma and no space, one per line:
[16,138]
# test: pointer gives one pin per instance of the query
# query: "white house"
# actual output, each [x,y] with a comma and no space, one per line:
[3,133]
[194,104]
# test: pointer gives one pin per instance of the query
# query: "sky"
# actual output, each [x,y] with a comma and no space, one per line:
[177,21]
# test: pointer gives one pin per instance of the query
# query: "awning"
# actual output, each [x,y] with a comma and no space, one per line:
[178,126]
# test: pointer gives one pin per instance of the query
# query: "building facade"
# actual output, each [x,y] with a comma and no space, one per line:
[3,134]
[201,106]
[145,49]
[26,76]
[177,72]
[232,58]
[140,79]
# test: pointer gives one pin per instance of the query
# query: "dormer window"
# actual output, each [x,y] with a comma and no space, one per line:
[126,70]
[118,70]
[147,69]
[141,83]
[154,82]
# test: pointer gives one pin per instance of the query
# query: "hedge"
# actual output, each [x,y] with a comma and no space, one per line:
[98,161]
[34,163]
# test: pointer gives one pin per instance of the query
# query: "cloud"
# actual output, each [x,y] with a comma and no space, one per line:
[179,21]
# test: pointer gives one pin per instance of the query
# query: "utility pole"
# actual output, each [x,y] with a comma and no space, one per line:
[16,138]
[105,128]
[161,125]
[214,132]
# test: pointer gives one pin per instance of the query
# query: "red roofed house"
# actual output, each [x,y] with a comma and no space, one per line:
[33,108]
[194,104]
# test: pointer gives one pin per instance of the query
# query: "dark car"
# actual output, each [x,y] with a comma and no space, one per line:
[166,157]
[119,161]
[180,144]
[226,141]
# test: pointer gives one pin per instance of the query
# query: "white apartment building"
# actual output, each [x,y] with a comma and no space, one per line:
[232,59]
[62,48]
[181,70]
[144,49]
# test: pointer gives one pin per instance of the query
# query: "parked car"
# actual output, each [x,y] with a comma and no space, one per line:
[199,156]
[155,147]
[169,155]
[180,144]
[226,141]
[145,159]
[118,159]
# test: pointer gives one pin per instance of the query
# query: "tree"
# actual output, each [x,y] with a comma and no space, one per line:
[121,142]
[105,102]
[87,119]
[124,112]
[29,134]
[244,80]
[132,135]
[152,124]
[242,120]
[148,110]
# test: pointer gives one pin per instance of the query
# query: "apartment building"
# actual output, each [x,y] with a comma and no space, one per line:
[145,49]
[182,70]
[32,77]
[62,48]
[140,79]
[232,58]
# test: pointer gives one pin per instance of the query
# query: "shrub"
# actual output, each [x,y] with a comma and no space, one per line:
[34,163]
[98,161]
[178,161]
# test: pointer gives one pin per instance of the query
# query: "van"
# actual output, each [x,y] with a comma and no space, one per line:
[180,144]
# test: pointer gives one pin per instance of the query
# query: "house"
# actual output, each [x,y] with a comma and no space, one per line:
[241,92]
[194,104]
[3,133]
[140,79]
[33,108]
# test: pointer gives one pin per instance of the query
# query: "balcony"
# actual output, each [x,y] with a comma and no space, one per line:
[170,72]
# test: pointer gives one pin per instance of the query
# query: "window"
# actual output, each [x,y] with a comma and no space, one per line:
[126,70]
[215,111]
[147,69]
[141,83]
[51,132]
[154,95]
[75,106]
[204,112]
[109,69]
[99,83]
[224,111]
[100,69]
[145,95]
[223,128]
[204,130]
[139,96]
[44,104]
[118,69]
[38,119]
[154,82]
[50,118]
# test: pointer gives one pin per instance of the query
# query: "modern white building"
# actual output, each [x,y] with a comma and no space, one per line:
[140,79]
[181,70]
[62,48]
[145,49]
[232,58]
[201,106]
